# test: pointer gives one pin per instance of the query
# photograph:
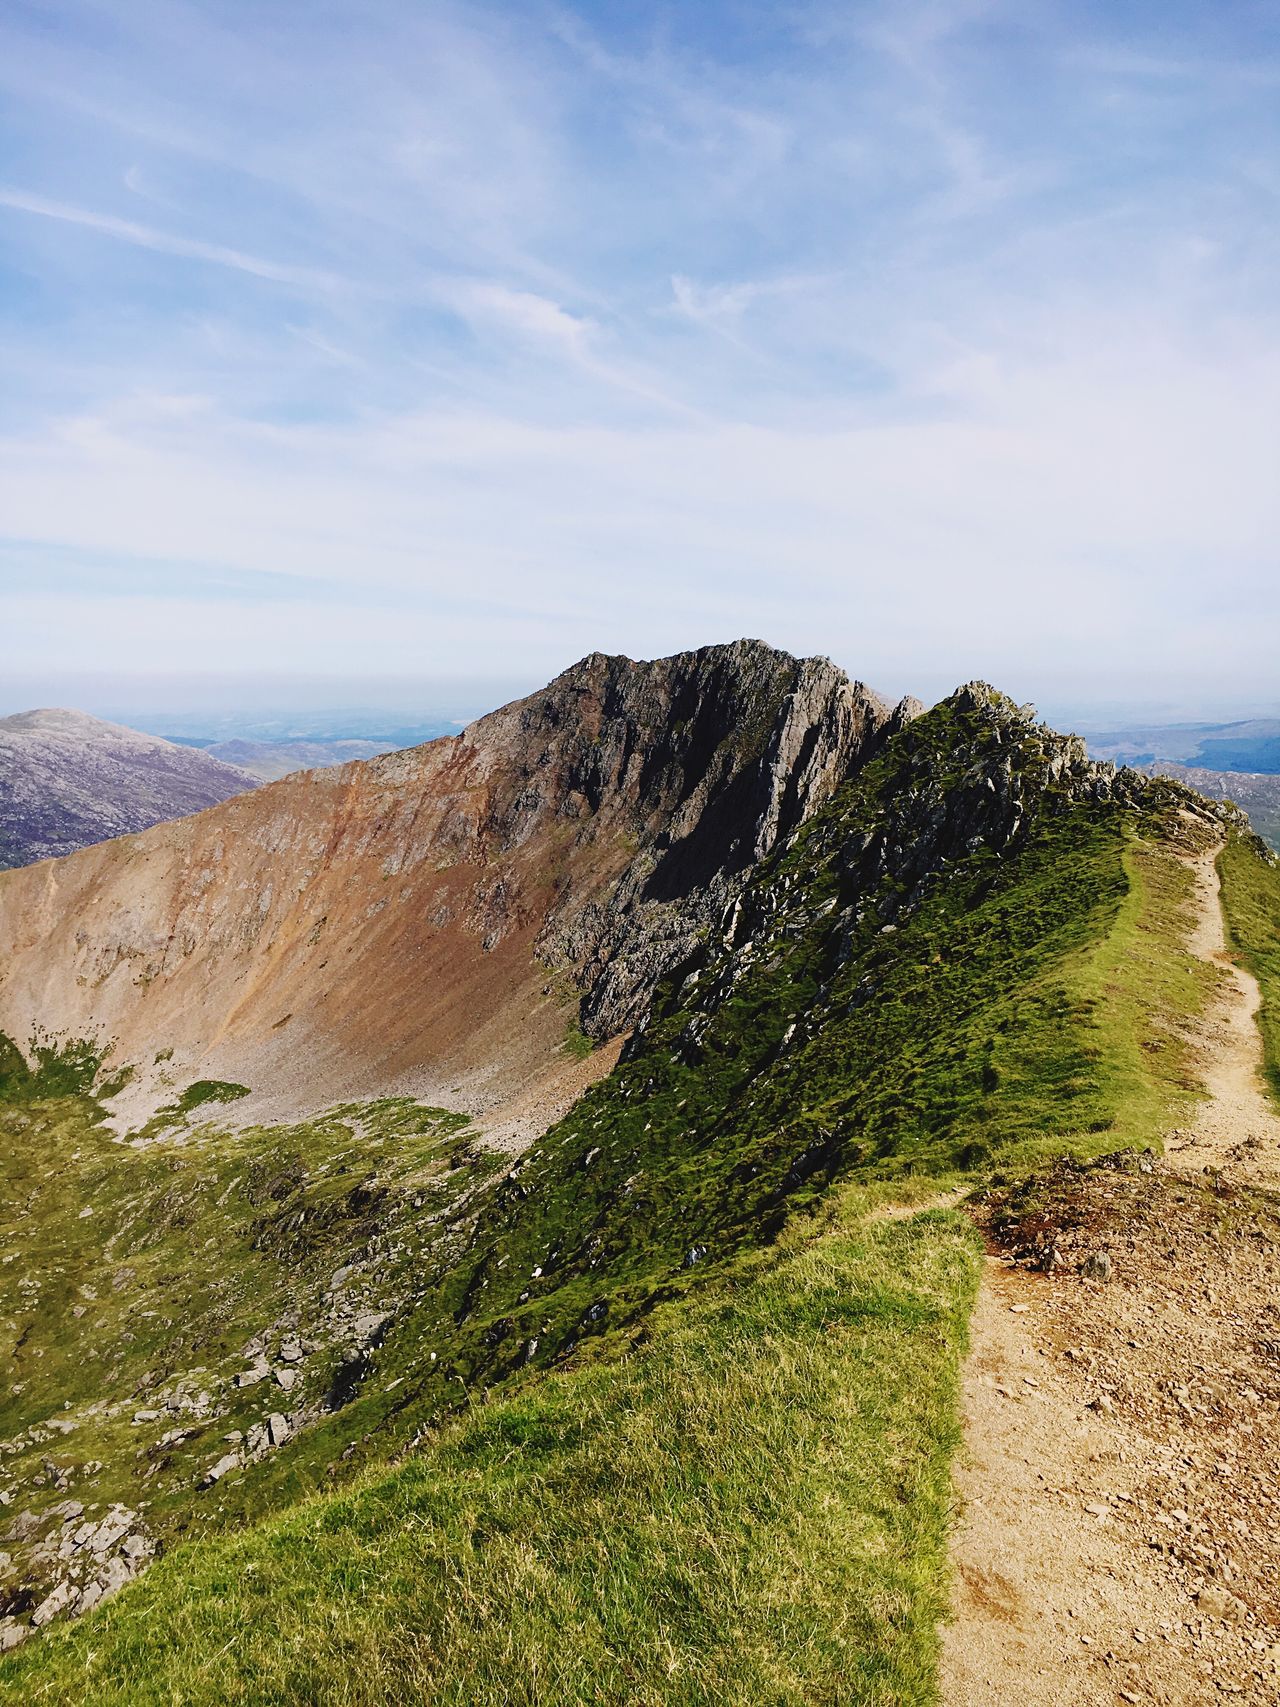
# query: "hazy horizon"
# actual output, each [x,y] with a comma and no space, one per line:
[199,705]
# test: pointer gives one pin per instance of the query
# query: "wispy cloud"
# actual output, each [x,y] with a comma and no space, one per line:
[939,335]
[164,243]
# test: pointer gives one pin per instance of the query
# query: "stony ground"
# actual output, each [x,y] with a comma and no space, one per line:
[1120,1486]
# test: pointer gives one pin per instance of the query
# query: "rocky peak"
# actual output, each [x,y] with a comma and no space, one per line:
[702,762]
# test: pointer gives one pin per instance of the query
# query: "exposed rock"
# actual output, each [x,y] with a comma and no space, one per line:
[278,1429]
[369,1326]
[24,1526]
[598,826]
[56,1601]
[223,1467]
[117,1573]
[1220,1603]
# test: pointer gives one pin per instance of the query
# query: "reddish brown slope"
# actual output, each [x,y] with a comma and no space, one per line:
[413,922]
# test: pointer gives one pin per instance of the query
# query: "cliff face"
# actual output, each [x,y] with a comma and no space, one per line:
[68,780]
[401,923]
[698,765]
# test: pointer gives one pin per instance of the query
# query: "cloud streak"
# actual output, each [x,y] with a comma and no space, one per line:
[942,338]
[164,243]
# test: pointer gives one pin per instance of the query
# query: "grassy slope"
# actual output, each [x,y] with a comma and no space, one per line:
[752,1509]
[190,1248]
[1024,1007]
[1251,899]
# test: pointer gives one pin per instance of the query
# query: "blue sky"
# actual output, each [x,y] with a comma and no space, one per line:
[376,339]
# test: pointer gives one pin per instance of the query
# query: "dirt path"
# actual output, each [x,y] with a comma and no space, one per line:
[1120,1481]
[1237,1128]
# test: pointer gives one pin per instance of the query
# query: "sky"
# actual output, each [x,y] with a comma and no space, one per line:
[361,342]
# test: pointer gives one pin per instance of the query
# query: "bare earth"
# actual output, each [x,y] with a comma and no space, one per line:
[1120,1483]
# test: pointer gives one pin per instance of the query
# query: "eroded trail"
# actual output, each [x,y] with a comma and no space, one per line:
[1120,1479]
[1237,1127]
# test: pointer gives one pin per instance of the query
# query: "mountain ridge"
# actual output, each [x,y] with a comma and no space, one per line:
[397,921]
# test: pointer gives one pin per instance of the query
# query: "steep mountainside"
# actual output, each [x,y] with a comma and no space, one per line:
[660,1410]
[401,924]
[68,780]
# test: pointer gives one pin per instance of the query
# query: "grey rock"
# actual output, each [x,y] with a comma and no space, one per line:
[12,1634]
[369,1326]
[1097,1266]
[24,1526]
[117,1523]
[117,1574]
[278,1429]
[87,1599]
[56,1601]
[222,1468]
[707,760]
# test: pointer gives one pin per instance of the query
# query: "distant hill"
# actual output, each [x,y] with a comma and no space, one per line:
[68,780]
[1259,795]
[270,760]
[1252,746]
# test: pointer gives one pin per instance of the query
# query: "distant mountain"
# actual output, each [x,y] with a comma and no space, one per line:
[68,780]
[1259,795]
[270,760]
[1252,746]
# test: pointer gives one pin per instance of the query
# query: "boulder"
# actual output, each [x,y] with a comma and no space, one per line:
[222,1468]
[53,1603]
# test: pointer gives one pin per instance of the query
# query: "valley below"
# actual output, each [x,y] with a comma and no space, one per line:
[702,1186]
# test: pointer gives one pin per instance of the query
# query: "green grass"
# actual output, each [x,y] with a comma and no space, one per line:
[210,1090]
[1251,900]
[754,1509]
[577,1043]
